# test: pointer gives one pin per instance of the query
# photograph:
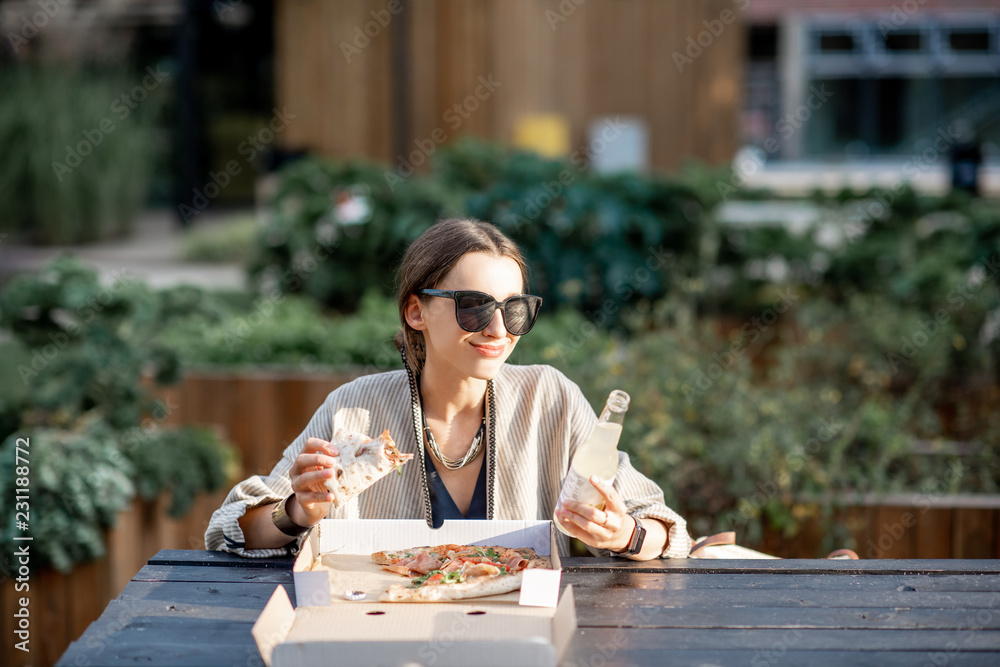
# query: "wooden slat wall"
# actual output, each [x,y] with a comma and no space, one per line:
[606,58]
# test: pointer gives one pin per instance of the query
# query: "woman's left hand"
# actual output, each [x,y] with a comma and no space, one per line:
[608,528]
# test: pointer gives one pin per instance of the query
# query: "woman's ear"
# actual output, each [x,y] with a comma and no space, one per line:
[414,313]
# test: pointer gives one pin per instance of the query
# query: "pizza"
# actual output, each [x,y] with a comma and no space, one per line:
[360,462]
[456,572]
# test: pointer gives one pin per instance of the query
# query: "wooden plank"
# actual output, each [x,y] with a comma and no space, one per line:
[265,448]
[894,532]
[295,413]
[933,534]
[218,559]
[181,654]
[652,616]
[582,654]
[202,598]
[170,565]
[771,582]
[202,574]
[155,634]
[788,566]
[587,596]
[87,594]
[996,534]
[799,640]
[972,533]
[49,616]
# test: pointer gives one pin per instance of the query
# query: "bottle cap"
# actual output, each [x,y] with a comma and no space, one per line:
[618,400]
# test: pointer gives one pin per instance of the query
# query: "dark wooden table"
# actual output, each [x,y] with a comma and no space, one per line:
[197,607]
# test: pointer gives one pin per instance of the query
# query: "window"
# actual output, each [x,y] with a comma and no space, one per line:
[969,41]
[837,42]
[903,42]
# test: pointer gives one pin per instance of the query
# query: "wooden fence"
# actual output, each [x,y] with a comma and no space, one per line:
[362,81]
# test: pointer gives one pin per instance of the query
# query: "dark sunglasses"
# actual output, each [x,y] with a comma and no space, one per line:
[474,310]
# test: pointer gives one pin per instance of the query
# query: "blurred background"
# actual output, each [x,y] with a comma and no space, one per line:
[776,223]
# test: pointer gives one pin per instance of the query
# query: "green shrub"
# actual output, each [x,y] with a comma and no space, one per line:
[743,434]
[78,483]
[310,246]
[232,240]
[180,462]
[79,357]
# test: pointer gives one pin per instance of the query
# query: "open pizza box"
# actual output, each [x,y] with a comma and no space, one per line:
[530,627]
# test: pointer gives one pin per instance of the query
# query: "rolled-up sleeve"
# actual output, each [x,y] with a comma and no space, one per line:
[224,532]
[644,500]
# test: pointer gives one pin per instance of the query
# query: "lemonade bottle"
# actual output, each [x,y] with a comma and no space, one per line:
[597,456]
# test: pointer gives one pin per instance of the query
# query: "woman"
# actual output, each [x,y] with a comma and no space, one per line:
[491,441]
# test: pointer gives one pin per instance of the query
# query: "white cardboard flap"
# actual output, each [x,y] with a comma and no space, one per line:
[273,624]
[540,588]
[312,589]
[369,536]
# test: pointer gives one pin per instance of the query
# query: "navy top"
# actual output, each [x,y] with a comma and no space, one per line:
[442,505]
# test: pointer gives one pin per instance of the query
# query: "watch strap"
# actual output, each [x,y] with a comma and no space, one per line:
[283,522]
[635,541]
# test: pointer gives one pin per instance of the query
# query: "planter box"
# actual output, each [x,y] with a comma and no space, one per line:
[903,525]
[63,605]
[259,412]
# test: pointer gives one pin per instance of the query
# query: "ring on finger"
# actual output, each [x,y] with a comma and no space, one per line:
[605,522]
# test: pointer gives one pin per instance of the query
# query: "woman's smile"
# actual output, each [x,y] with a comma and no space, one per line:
[491,351]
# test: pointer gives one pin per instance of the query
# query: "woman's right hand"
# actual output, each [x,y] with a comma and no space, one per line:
[308,475]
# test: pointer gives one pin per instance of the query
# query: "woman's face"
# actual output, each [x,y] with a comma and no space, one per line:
[449,347]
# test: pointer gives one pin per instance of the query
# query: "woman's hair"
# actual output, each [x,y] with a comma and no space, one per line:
[432,256]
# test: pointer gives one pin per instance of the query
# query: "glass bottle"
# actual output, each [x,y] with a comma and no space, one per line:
[597,456]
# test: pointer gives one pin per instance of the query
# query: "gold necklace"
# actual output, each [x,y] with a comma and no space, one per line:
[452,464]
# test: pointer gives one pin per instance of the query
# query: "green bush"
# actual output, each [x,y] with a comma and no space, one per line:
[78,482]
[232,240]
[313,247]
[78,358]
[78,161]
[288,331]
[593,240]
[743,441]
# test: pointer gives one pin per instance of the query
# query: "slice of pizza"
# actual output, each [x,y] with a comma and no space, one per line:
[360,462]
[456,572]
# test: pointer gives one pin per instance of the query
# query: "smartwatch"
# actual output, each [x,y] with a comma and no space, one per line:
[635,542]
[284,523]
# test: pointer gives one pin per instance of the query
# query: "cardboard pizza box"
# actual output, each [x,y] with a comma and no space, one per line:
[533,626]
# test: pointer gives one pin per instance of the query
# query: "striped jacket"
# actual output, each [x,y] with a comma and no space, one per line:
[539,420]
